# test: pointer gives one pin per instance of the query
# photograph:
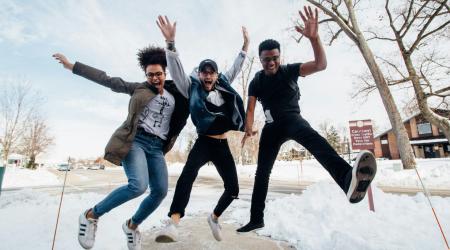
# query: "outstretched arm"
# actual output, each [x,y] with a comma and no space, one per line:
[239,61]
[181,80]
[116,84]
[310,31]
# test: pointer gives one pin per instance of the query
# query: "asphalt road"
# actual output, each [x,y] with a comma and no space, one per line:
[103,181]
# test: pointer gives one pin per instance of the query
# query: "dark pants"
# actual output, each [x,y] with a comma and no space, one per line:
[273,136]
[204,150]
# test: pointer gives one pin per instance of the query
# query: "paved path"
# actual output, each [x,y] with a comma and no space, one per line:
[194,233]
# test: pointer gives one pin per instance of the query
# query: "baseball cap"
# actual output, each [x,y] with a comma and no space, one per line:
[207,62]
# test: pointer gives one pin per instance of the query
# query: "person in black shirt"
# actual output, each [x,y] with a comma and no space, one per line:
[276,88]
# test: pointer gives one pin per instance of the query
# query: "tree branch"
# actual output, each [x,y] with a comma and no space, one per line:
[420,36]
[341,22]
[375,36]
[413,19]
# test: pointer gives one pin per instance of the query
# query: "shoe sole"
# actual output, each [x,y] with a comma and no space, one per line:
[164,239]
[362,175]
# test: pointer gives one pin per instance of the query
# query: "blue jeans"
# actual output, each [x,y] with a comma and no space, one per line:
[144,166]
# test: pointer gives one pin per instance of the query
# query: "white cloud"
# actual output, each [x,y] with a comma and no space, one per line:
[109,33]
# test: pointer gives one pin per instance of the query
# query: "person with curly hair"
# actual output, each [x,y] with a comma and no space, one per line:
[157,112]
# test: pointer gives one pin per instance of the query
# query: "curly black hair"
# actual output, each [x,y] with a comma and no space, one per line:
[152,55]
[268,44]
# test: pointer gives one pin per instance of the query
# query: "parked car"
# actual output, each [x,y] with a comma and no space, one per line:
[64,167]
[97,167]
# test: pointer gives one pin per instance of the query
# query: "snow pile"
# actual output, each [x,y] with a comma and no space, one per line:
[21,177]
[435,173]
[321,218]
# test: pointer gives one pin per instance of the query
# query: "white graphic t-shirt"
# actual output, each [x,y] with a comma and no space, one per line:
[155,118]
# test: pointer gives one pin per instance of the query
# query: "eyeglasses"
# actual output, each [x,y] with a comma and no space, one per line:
[269,59]
[150,75]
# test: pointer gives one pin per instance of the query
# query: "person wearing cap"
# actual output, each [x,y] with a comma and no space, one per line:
[215,109]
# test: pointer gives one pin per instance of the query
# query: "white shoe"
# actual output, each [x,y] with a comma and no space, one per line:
[133,237]
[216,229]
[86,230]
[363,172]
[169,233]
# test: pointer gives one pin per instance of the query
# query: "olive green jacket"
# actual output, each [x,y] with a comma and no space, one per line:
[141,93]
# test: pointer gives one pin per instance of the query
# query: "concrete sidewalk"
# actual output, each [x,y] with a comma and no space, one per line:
[194,233]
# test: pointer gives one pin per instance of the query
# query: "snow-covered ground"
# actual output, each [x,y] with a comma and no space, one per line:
[320,218]
[21,177]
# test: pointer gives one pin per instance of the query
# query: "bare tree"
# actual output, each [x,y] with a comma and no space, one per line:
[341,13]
[247,69]
[35,140]
[248,153]
[17,103]
[414,27]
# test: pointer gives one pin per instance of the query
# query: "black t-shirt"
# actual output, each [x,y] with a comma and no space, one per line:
[222,121]
[279,94]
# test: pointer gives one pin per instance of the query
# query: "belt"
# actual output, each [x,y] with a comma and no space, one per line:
[143,132]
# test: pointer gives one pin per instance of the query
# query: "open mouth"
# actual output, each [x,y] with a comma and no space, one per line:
[208,83]
[156,83]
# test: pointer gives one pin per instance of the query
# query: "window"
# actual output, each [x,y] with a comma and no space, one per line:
[424,128]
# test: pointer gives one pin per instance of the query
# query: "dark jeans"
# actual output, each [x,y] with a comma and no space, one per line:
[204,150]
[273,136]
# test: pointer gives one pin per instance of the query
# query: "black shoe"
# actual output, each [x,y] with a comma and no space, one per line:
[363,172]
[250,227]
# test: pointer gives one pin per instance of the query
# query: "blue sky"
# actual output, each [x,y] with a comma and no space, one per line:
[107,35]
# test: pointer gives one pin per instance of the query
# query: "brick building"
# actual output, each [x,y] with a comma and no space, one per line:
[426,139]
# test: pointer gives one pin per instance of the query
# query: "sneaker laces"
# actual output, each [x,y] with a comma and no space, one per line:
[94,223]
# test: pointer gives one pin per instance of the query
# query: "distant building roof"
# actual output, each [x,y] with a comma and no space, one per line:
[407,119]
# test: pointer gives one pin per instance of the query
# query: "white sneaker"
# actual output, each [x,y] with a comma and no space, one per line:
[169,233]
[216,229]
[86,230]
[363,172]
[133,237]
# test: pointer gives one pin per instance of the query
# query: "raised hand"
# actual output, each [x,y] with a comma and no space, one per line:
[63,60]
[310,30]
[246,39]
[167,29]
